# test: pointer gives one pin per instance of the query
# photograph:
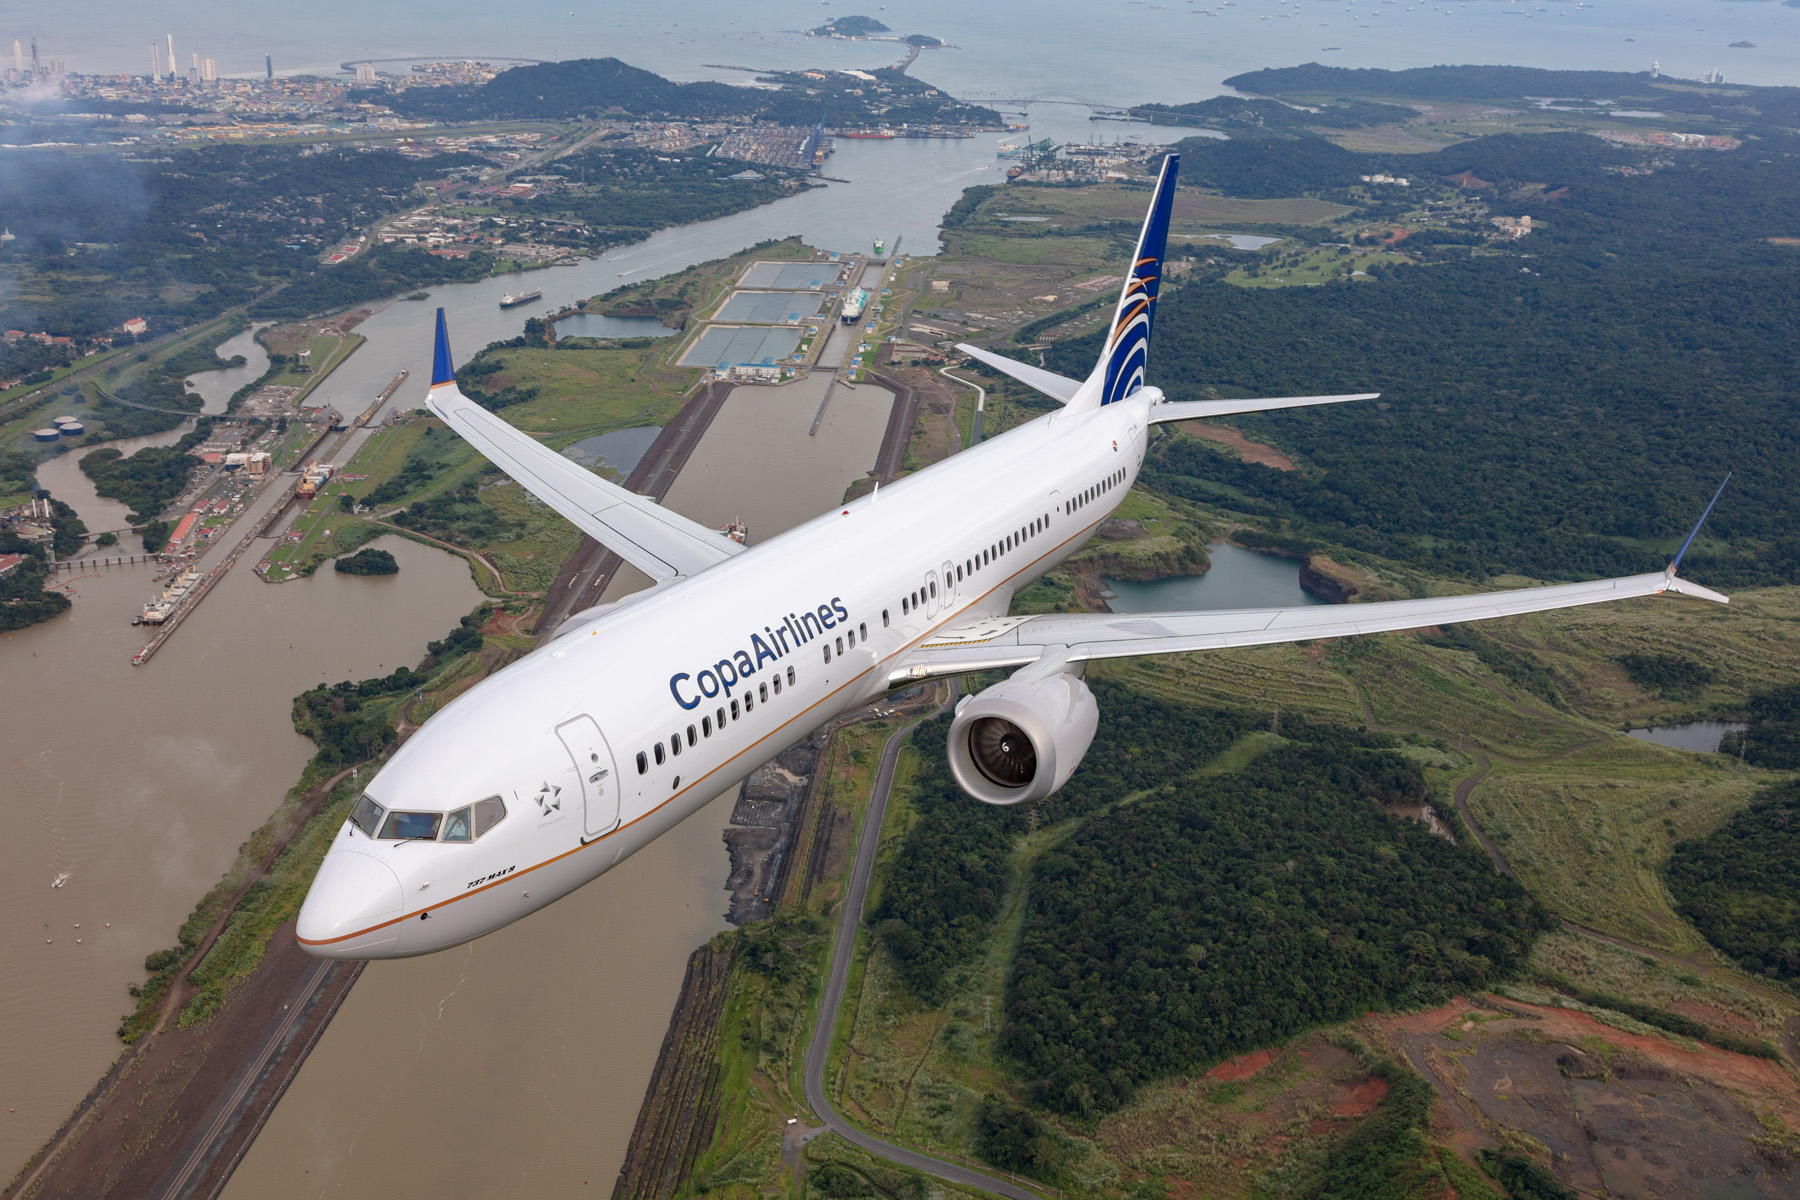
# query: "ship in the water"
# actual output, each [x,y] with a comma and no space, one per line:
[164,606]
[511,301]
[866,133]
[736,530]
[854,304]
[880,247]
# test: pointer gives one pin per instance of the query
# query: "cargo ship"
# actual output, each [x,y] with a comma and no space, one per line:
[162,608]
[854,304]
[511,301]
[885,134]
[737,531]
[880,247]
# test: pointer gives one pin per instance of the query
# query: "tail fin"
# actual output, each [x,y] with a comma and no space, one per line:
[1123,357]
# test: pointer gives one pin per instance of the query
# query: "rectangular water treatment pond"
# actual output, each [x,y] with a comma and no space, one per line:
[790,277]
[771,308]
[726,345]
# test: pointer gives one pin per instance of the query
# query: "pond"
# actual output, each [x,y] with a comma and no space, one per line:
[619,451]
[1238,578]
[596,326]
[1700,736]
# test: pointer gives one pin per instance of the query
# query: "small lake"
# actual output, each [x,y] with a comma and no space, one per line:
[596,326]
[620,451]
[1238,578]
[1700,736]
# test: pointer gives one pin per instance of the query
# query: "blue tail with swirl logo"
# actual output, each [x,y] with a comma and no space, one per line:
[1127,348]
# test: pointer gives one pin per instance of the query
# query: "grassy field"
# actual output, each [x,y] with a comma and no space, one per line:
[1310,268]
[1193,209]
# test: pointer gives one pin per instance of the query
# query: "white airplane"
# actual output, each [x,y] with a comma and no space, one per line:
[638,712]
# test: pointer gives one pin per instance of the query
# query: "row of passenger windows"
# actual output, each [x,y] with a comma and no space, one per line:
[1094,493]
[851,637]
[663,751]
[982,558]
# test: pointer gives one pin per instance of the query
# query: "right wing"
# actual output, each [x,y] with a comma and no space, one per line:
[1200,410]
[662,544]
[1001,642]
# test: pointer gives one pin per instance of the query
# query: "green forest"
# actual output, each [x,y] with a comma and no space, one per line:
[626,195]
[1773,739]
[99,239]
[1209,914]
[1740,884]
[23,600]
[367,561]
[1560,407]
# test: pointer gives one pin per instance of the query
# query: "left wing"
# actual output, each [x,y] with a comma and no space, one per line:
[1001,642]
[662,544]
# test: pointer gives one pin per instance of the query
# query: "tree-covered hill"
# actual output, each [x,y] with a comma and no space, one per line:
[1560,406]
[576,87]
[1740,884]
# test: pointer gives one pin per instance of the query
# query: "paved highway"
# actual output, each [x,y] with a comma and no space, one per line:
[842,952]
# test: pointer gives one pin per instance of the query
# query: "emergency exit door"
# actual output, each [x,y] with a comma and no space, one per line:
[593,763]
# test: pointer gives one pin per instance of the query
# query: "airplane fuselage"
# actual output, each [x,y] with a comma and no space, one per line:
[635,715]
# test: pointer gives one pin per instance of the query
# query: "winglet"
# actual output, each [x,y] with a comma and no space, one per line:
[1681,585]
[1697,524]
[443,370]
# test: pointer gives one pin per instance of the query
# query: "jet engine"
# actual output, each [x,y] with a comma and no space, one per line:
[1021,740]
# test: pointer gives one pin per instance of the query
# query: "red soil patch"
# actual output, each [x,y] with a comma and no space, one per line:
[1430,1021]
[1396,237]
[1718,1018]
[1234,1069]
[1468,179]
[1249,451]
[1360,1100]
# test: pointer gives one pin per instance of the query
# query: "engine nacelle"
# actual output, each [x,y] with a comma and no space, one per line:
[1021,740]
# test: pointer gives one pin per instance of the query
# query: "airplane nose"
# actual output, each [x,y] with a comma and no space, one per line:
[352,892]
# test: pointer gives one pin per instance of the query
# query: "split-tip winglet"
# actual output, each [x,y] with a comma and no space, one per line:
[1675,584]
[443,369]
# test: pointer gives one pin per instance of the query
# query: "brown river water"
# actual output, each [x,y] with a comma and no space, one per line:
[516,1065]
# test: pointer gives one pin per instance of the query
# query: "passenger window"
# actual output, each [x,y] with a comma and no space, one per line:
[778,685]
[705,728]
[851,637]
[457,827]
[658,751]
[675,744]
[749,701]
[721,720]
[762,692]
[884,618]
[827,651]
[790,676]
[934,588]
[367,816]
[643,763]
[959,574]
[863,629]
[905,605]
[406,825]
[490,812]
[840,647]
[691,738]
[734,710]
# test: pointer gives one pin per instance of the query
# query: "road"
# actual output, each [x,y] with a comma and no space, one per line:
[843,951]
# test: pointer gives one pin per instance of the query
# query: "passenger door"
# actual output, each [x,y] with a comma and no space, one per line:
[593,763]
[949,570]
[931,594]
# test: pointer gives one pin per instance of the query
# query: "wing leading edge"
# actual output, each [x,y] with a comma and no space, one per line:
[1080,637]
[662,544]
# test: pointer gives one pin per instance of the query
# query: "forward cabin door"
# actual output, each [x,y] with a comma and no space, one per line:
[593,763]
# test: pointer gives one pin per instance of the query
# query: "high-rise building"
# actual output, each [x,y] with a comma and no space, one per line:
[365,73]
[172,67]
[269,67]
[60,72]
[18,57]
[1655,69]
[36,68]
[156,70]
[209,71]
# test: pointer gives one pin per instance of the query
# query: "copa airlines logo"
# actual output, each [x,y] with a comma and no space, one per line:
[1131,332]
[794,631]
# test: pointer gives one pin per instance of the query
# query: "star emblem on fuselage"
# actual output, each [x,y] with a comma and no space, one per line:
[549,798]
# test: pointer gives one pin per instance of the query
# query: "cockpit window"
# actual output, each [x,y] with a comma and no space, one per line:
[489,813]
[367,815]
[457,827]
[411,825]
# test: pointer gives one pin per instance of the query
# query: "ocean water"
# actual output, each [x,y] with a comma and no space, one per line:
[1109,52]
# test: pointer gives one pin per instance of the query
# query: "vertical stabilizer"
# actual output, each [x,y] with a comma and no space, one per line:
[1120,371]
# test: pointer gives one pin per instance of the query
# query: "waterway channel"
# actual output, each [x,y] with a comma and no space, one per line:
[1236,578]
[215,388]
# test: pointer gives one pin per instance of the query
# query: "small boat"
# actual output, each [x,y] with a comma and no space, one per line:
[62,877]
[736,530]
[511,301]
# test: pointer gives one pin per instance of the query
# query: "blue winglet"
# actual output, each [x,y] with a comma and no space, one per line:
[443,370]
[1697,524]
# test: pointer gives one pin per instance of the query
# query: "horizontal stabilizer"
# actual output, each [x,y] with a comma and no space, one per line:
[1057,387]
[1200,410]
